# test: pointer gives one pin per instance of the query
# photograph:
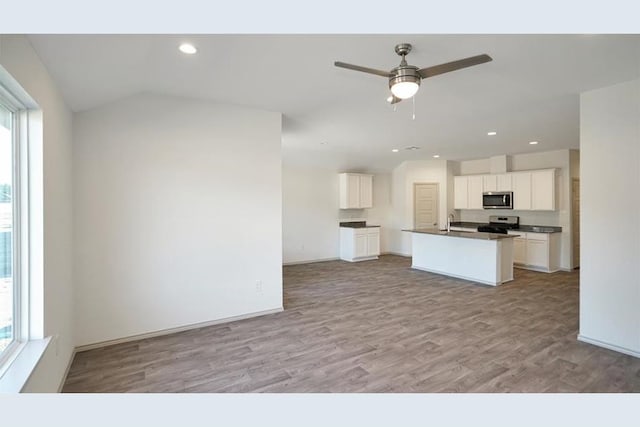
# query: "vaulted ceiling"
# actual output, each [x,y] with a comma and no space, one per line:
[340,119]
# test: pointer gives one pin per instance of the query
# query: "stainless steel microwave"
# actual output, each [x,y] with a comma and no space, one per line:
[497,200]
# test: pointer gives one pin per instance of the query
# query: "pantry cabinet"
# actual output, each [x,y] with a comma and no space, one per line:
[356,191]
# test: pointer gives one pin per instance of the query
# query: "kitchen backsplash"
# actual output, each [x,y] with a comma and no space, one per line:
[526,217]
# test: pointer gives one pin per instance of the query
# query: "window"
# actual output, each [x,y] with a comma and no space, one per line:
[9,297]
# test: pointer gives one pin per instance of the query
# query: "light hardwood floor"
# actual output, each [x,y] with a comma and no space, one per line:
[377,326]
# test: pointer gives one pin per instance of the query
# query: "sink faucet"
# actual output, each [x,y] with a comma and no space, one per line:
[449,219]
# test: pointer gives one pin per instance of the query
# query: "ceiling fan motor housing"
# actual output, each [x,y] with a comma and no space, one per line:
[407,73]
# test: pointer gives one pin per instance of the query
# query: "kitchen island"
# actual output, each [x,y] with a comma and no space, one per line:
[481,257]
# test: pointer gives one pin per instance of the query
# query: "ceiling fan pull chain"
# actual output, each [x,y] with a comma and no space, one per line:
[414,107]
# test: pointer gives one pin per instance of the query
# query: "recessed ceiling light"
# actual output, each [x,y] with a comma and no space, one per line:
[492,133]
[395,150]
[533,142]
[187,48]
[436,156]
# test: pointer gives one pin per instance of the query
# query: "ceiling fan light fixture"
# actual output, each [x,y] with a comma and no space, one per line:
[404,90]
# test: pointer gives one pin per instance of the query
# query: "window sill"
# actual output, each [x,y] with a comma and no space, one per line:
[20,369]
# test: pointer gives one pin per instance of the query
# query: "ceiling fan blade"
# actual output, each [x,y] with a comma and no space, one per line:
[363,69]
[454,65]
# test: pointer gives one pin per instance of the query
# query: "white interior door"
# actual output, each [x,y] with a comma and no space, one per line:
[425,205]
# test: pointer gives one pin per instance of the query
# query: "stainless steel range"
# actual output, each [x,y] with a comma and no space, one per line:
[500,224]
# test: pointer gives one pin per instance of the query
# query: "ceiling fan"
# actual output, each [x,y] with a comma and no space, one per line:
[404,80]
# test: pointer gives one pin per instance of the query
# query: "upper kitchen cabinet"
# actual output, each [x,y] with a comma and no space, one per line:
[504,182]
[543,194]
[521,184]
[460,192]
[498,182]
[356,191]
[467,192]
[532,190]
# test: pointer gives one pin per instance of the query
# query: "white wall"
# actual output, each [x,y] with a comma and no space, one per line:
[610,208]
[311,213]
[559,159]
[403,178]
[20,60]
[310,206]
[178,215]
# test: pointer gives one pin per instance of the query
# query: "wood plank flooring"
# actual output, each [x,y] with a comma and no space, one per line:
[377,326]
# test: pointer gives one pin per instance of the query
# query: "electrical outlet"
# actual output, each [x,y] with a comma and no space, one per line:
[259,286]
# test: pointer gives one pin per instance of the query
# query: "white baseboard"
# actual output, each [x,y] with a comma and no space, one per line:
[397,254]
[66,371]
[175,330]
[608,346]
[309,261]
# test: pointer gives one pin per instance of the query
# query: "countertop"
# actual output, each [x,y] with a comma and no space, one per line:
[357,224]
[462,234]
[524,228]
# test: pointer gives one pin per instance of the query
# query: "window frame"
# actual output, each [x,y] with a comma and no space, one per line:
[20,227]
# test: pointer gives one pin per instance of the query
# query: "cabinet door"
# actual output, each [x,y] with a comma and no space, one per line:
[353,191]
[520,250]
[521,182]
[366,191]
[359,245]
[543,190]
[489,183]
[460,192]
[503,182]
[373,242]
[538,253]
[475,192]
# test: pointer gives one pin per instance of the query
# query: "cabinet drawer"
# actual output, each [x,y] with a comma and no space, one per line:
[538,236]
[359,231]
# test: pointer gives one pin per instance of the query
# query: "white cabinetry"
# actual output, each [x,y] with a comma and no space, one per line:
[467,192]
[541,198]
[460,192]
[521,182]
[537,251]
[503,182]
[489,183]
[519,247]
[359,244]
[475,192]
[532,190]
[356,191]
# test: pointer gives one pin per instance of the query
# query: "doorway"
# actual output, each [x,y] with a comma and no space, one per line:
[425,205]
[575,221]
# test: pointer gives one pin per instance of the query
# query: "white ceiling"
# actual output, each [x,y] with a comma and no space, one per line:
[339,118]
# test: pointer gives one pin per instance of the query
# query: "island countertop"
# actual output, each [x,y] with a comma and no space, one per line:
[462,234]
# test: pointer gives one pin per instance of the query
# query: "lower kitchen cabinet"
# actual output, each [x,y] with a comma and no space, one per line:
[520,250]
[536,251]
[359,244]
